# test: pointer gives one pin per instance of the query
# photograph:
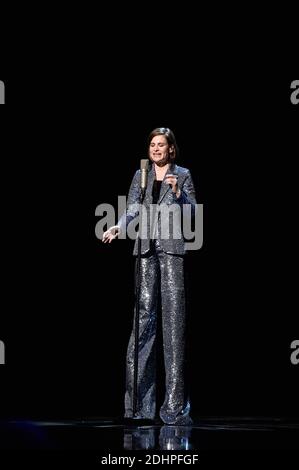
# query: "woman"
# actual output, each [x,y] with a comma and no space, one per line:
[161,272]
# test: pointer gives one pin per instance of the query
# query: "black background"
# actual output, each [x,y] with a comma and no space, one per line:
[73,135]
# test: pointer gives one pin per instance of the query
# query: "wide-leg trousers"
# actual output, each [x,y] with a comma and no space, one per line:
[160,273]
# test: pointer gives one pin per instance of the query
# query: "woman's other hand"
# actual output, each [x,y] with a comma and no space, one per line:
[111,234]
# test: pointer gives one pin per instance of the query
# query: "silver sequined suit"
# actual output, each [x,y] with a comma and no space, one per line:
[161,271]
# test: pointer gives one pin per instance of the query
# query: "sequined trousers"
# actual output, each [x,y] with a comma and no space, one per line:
[160,273]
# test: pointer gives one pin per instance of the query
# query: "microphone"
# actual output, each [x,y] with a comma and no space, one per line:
[144,164]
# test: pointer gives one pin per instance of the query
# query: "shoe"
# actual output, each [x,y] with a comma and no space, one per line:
[179,421]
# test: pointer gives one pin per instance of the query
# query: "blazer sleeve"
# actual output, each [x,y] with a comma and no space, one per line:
[187,195]
[132,209]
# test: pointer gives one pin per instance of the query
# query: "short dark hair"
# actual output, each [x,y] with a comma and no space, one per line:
[170,139]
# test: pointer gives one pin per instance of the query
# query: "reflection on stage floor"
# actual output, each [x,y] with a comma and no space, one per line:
[207,433]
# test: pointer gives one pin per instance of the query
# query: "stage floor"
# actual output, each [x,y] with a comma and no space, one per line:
[101,433]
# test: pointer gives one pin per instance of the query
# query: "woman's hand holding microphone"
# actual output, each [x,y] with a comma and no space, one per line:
[172,180]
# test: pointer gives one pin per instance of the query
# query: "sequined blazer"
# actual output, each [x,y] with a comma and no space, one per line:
[175,242]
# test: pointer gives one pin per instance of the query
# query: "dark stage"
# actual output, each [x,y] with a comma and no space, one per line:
[69,298]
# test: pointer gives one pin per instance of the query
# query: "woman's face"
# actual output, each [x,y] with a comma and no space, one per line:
[159,150]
